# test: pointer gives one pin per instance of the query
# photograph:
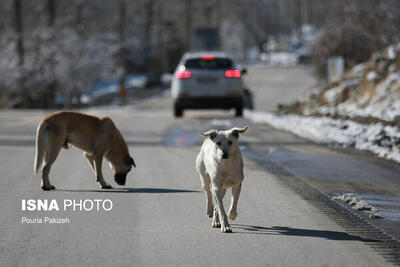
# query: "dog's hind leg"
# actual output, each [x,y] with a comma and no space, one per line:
[54,140]
[51,156]
[234,200]
[218,193]
[91,161]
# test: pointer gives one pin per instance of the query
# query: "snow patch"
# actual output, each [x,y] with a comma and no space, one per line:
[383,141]
[372,76]
[357,203]
[357,71]
[331,94]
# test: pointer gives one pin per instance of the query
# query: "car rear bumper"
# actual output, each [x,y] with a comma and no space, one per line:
[209,102]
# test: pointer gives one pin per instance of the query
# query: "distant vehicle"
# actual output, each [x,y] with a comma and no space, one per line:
[207,80]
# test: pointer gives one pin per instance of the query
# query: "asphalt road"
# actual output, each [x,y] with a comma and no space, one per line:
[159,217]
[273,86]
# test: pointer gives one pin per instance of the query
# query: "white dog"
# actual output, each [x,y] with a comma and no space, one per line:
[220,166]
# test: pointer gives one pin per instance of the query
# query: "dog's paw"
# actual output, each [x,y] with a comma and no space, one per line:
[106,186]
[216,224]
[48,187]
[232,214]
[210,211]
[215,220]
[226,229]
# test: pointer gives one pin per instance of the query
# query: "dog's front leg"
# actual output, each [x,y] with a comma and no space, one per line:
[234,200]
[215,221]
[218,193]
[98,160]
[205,183]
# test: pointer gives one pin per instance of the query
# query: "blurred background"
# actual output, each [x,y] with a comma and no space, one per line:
[81,52]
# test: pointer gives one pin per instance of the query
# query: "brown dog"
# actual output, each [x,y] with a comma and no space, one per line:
[98,137]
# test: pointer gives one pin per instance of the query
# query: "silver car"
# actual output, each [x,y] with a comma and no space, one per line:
[207,80]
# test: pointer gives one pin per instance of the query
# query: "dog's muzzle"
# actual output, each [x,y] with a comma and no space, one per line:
[225,156]
[120,178]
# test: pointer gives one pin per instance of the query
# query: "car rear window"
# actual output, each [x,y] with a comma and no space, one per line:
[216,63]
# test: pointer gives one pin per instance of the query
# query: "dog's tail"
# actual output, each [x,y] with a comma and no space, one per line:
[40,147]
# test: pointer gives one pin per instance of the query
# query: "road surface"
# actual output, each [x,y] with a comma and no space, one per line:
[159,217]
[273,86]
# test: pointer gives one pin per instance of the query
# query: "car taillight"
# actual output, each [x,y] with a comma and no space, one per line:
[232,74]
[183,74]
[207,57]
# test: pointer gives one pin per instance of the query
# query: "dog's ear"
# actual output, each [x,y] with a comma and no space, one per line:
[130,161]
[211,133]
[235,131]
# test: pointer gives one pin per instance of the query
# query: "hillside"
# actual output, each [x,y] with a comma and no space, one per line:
[367,93]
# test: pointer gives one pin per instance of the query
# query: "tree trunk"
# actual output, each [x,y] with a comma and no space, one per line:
[49,95]
[51,9]
[188,26]
[19,31]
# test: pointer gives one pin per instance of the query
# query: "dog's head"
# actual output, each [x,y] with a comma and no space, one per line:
[122,168]
[225,141]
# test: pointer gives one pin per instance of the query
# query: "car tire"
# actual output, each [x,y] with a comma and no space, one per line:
[178,111]
[239,112]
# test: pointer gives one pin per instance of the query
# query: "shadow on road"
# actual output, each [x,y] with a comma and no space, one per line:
[132,190]
[282,230]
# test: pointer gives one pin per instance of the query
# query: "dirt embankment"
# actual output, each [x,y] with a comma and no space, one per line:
[368,93]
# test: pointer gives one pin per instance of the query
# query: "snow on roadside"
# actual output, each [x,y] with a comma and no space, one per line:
[368,90]
[357,203]
[384,141]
